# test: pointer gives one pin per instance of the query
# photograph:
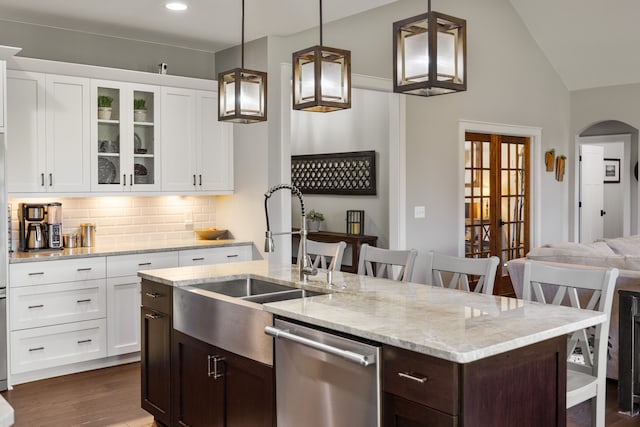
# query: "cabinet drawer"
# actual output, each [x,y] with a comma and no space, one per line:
[399,412]
[68,270]
[420,378]
[41,348]
[129,265]
[46,305]
[157,296]
[215,255]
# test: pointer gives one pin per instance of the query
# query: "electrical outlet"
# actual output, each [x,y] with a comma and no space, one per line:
[419,212]
[188,220]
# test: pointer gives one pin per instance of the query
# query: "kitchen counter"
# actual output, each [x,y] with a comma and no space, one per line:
[120,249]
[449,324]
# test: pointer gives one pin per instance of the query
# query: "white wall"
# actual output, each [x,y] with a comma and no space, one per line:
[363,127]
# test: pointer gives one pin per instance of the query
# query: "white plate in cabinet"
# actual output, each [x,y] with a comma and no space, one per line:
[129,265]
[123,305]
[46,305]
[215,255]
[40,348]
[44,272]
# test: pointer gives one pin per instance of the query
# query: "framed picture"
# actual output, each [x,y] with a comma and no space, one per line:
[611,171]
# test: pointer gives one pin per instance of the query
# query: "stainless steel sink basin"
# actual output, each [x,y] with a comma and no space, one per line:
[255,290]
[228,314]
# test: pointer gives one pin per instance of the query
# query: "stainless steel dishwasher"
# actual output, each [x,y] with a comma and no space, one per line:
[324,380]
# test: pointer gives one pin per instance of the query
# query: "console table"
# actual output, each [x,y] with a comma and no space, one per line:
[353,240]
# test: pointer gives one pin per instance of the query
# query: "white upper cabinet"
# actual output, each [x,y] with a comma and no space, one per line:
[46,149]
[197,149]
[3,100]
[125,140]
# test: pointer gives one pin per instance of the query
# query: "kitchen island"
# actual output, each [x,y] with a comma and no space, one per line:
[494,359]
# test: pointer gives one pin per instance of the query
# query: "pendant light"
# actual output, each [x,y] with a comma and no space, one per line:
[321,78]
[242,93]
[429,53]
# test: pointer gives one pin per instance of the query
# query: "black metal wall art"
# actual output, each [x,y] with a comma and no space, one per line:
[351,173]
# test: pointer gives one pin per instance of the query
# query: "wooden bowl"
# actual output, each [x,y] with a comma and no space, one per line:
[211,233]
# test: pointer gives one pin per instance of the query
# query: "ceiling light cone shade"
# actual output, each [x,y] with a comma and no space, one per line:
[426,62]
[321,79]
[242,95]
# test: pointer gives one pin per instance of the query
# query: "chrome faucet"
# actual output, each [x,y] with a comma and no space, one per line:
[305,266]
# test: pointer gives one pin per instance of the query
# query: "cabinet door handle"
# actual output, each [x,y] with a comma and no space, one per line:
[152,316]
[420,380]
[36,306]
[84,341]
[215,373]
[152,295]
[42,180]
[131,180]
[194,179]
[80,301]
[84,269]
[37,273]
[50,180]
[200,178]
[232,256]
[197,259]
[143,264]
[36,349]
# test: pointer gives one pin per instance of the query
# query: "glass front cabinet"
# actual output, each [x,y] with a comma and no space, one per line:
[125,144]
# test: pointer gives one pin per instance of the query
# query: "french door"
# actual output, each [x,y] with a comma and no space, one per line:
[497,200]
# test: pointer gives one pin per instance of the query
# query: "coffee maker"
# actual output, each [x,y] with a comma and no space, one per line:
[40,226]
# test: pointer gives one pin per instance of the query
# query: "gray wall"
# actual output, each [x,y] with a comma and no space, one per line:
[82,48]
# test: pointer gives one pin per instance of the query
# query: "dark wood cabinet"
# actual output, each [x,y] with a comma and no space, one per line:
[524,387]
[215,388]
[156,328]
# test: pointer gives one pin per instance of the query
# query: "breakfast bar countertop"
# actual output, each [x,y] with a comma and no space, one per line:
[121,249]
[449,324]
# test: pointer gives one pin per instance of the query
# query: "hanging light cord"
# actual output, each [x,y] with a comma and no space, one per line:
[242,46]
[321,22]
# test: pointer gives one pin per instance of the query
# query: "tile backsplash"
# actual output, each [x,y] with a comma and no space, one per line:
[125,219]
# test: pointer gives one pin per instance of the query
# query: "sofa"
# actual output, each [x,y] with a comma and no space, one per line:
[622,253]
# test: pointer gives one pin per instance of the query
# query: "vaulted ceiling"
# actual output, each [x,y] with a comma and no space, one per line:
[590,43]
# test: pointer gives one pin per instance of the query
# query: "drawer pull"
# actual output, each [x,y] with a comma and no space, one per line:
[152,295]
[83,300]
[38,273]
[232,256]
[197,259]
[36,349]
[420,380]
[152,316]
[143,263]
[85,269]
[84,341]
[36,306]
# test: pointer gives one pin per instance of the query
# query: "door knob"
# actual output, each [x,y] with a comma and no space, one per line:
[602,212]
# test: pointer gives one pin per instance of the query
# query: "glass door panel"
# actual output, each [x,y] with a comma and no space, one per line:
[144,149]
[108,141]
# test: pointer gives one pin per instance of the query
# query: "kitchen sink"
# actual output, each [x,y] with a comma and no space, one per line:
[228,314]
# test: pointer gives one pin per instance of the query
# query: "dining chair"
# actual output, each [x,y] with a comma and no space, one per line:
[325,255]
[459,269]
[587,288]
[386,263]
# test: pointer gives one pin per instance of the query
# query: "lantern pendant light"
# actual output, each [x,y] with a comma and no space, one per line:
[242,93]
[321,78]
[429,53]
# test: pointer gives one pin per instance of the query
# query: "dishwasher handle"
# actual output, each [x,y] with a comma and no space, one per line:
[360,359]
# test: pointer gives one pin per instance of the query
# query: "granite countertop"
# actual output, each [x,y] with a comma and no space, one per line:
[450,324]
[121,249]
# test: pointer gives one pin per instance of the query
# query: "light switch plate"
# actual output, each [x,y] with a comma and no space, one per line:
[419,212]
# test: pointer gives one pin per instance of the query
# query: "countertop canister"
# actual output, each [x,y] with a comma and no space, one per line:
[88,234]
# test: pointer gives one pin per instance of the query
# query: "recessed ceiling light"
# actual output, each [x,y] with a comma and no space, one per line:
[176,6]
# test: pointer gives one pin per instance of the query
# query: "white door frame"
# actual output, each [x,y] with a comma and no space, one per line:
[604,139]
[535,137]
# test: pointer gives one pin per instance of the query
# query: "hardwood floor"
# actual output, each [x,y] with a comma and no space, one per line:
[111,397]
[100,398]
